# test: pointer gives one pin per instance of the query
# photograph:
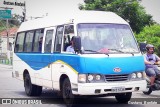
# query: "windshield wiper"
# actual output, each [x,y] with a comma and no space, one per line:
[121,51]
[130,53]
[116,50]
[97,52]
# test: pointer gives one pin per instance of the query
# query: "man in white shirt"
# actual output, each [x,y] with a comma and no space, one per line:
[71,47]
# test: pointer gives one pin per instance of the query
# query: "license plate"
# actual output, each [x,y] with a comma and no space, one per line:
[118,89]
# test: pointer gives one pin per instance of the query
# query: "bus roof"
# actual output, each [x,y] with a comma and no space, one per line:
[77,17]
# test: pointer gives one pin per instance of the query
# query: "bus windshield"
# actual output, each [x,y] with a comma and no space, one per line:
[107,38]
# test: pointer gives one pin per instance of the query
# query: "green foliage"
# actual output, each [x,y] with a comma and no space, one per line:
[12,22]
[2,25]
[15,20]
[130,10]
[150,34]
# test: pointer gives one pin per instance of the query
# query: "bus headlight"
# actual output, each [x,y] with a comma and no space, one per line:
[98,77]
[133,76]
[90,77]
[82,78]
[139,75]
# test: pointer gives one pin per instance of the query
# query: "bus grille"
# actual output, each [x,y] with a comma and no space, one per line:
[112,78]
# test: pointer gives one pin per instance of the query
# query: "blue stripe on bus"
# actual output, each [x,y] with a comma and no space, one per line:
[102,65]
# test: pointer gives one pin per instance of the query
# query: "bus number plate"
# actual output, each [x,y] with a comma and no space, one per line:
[118,89]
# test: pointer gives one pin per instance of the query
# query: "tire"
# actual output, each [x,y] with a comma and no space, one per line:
[31,89]
[67,95]
[123,97]
[148,92]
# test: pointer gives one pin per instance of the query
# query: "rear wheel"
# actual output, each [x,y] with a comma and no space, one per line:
[123,97]
[31,89]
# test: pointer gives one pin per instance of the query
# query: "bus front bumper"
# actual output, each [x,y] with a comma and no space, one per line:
[110,87]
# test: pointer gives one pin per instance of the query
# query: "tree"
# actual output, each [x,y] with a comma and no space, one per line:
[2,25]
[150,34]
[16,20]
[130,10]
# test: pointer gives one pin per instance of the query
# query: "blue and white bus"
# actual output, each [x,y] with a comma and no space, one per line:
[106,61]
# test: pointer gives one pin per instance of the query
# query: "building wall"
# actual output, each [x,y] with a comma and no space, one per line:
[3,48]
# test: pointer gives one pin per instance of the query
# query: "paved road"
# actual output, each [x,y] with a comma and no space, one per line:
[13,88]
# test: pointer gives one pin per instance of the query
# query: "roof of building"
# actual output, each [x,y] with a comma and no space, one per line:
[12,31]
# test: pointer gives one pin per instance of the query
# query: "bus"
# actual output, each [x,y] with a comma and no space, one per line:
[106,58]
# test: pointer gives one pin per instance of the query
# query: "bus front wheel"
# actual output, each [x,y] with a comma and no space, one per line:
[123,97]
[31,89]
[68,97]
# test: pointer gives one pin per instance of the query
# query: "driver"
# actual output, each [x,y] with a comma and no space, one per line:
[71,47]
[151,69]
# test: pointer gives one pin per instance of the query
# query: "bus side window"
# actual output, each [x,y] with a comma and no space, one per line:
[37,46]
[28,41]
[48,41]
[19,42]
[58,39]
[68,34]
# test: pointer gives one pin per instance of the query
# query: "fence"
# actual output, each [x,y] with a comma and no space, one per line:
[6,61]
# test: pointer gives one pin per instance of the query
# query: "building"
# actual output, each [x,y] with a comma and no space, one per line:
[3,39]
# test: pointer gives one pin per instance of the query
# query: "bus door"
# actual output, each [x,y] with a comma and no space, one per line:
[63,36]
[48,41]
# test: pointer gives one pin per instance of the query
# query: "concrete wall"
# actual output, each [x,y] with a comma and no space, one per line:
[3,46]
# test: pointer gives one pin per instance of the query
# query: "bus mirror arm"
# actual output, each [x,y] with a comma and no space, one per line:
[77,44]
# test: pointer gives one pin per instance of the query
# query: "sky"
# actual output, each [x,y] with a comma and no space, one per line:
[39,8]
[152,7]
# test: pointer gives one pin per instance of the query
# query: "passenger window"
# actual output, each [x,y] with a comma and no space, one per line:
[28,41]
[68,34]
[58,39]
[48,41]
[38,39]
[19,42]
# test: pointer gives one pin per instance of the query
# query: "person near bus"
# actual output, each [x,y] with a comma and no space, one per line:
[40,44]
[150,59]
[71,47]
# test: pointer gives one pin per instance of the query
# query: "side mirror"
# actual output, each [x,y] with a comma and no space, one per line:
[77,44]
[142,47]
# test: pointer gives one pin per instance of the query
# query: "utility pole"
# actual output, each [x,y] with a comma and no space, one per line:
[24,13]
[24,10]
[8,50]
